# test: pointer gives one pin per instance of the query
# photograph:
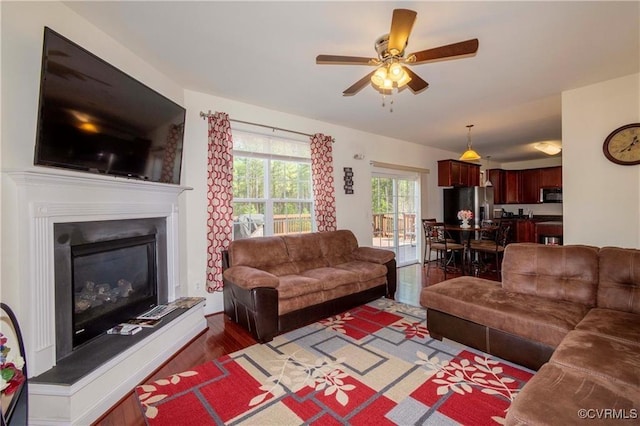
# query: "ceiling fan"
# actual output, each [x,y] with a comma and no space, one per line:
[391,71]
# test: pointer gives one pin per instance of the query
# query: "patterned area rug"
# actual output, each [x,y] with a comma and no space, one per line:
[375,364]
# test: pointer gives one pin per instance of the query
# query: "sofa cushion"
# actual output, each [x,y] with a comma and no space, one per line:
[297,285]
[304,251]
[592,354]
[338,246]
[486,302]
[330,278]
[364,271]
[615,324]
[557,395]
[556,272]
[267,253]
[619,287]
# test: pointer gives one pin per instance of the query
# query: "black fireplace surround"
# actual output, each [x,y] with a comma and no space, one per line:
[106,272]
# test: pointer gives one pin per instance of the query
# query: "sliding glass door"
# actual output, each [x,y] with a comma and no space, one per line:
[395,201]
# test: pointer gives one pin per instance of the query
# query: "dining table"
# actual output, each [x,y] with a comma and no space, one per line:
[466,234]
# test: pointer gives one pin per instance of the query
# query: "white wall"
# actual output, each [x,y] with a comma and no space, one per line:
[353,211]
[601,199]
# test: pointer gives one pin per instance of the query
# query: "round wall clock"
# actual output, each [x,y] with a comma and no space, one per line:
[622,146]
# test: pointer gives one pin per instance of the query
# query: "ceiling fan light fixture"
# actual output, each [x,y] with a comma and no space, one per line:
[379,77]
[396,71]
[547,148]
[403,80]
[469,154]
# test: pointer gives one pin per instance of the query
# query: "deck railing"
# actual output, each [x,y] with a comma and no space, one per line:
[384,225]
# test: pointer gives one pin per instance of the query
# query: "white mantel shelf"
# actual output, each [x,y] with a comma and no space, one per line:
[94,181]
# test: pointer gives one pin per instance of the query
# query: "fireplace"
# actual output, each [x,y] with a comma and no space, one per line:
[106,272]
[55,211]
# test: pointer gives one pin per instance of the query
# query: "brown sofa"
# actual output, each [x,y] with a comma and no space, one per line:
[276,284]
[570,312]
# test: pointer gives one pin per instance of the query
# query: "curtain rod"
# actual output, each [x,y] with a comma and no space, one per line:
[209,114]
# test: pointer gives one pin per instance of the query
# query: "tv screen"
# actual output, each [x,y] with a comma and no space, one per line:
[93,117]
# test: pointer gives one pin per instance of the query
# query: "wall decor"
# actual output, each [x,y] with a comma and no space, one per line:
[348,180]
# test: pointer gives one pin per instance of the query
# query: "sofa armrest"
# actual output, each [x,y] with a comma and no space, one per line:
[374,255]
[247,277]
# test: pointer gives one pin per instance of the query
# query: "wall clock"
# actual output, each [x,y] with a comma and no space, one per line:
[622,146]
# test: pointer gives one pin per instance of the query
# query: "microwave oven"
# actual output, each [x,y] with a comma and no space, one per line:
[550,195]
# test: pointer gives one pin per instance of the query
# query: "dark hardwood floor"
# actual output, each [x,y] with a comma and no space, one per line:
[224,337]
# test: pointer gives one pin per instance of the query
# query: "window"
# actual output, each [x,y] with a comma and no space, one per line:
[272,192]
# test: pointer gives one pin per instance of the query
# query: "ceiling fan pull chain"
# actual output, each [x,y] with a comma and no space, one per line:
[383,100]
[391,102]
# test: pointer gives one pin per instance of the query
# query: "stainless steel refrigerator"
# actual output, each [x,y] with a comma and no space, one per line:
[478,199]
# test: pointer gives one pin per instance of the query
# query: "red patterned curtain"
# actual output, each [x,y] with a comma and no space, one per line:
[219,196]
[322,176]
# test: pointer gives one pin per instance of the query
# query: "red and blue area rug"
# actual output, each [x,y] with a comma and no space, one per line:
[375,364]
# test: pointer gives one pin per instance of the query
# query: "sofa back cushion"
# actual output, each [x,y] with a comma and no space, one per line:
[267,253]
[338,246]
[619,286]
[304,251]
[556,272]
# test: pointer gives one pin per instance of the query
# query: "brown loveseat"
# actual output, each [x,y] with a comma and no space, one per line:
[277,284]
[573,312]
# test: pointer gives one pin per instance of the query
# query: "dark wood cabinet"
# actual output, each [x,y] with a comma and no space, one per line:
[512,186]
[523,186]
[496,177]
[526,231]
[551,177]
[530,185]
[458,173]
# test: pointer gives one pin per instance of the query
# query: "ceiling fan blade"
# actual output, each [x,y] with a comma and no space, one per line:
[401,25]
[358,85]
[467,47]
[416,84]
[344,60]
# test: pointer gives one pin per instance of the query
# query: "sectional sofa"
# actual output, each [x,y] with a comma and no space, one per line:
[276,284]
[570,312]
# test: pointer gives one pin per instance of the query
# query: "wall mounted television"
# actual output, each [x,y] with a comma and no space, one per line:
[92,117]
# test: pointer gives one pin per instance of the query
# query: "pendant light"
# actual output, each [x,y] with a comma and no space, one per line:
[469,154]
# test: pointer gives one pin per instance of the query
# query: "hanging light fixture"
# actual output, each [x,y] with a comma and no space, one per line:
[469,154]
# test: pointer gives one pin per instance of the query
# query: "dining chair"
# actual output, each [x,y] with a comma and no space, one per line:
[439,241]
[480,249]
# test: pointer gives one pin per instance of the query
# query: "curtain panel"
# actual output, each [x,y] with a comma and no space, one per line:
[322,177]
[219,197]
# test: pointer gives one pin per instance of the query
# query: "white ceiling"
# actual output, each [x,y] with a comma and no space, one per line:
[263,53]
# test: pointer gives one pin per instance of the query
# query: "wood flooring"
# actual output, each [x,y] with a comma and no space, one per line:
[224,337]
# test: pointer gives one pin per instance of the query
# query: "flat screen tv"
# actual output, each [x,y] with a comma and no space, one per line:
[93,117]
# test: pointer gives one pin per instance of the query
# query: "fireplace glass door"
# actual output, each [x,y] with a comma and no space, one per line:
[112,282]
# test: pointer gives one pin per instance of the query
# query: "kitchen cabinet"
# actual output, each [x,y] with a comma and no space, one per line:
[512,186]
[458,173]
[530,186]
[526,231]
[551,177]
[523,186]
[496,177]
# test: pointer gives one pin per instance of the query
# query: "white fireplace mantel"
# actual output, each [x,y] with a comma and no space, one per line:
[44,198]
